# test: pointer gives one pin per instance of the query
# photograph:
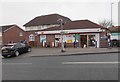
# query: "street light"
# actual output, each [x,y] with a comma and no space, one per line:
[61,26]
[108,34]
[111,13]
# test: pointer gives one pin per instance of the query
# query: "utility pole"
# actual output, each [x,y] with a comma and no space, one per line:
[61,26]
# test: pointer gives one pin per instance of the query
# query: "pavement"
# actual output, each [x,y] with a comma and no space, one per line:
[45,52]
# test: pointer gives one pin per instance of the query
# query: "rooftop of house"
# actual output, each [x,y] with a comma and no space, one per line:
[46,20]
[6,27]
[115,29]
[3,28]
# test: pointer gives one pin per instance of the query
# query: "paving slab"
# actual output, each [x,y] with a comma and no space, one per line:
[43,52]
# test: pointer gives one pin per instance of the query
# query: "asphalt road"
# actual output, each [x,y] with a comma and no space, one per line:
[81,67]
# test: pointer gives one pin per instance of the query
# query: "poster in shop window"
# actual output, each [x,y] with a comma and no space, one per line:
[43,39]
[70,38]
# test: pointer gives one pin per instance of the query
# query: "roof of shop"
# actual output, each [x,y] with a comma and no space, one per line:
[78,24]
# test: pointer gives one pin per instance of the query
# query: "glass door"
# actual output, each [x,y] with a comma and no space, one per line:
[92,41]
[83,40]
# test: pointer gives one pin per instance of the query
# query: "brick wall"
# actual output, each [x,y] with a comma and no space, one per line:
[50,39]
[13,35]
[103,41]
[37,38]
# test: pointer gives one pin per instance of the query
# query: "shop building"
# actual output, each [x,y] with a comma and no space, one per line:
[45,31]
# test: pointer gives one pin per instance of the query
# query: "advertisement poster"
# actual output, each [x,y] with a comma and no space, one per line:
[43,39]
[70,38]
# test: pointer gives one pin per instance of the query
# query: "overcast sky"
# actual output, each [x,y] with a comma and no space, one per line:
[23,11]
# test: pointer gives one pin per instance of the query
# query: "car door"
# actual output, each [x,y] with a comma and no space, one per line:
[20,48]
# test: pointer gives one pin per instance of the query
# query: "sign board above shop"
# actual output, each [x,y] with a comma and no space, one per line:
[70,31]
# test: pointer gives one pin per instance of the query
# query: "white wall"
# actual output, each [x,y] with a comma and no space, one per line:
[115,36]
[98,39]
[39,27]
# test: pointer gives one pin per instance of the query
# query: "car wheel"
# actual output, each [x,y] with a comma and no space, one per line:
[29,49]
[17,53]
[5,56]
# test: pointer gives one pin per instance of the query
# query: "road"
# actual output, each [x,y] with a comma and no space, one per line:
[80,67]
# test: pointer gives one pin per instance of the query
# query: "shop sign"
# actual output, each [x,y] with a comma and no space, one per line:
[64,32]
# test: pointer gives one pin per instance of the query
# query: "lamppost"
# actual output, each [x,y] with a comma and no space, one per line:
[108,34]
[61,26]
[111,14]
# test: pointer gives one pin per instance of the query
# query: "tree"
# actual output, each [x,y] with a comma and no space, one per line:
[105,23]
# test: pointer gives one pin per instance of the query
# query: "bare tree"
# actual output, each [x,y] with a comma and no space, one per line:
[105,23]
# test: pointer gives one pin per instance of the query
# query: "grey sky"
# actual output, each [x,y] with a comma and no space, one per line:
[21,12]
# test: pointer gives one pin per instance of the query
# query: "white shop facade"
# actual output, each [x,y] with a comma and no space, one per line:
[71,38]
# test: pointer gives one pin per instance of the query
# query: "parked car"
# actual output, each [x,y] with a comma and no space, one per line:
[15,49]
[115,43]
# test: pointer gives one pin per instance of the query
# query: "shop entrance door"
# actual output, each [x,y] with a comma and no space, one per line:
[92,41]
[83,40]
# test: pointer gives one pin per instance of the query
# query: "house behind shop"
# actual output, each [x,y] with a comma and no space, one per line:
[11,33]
